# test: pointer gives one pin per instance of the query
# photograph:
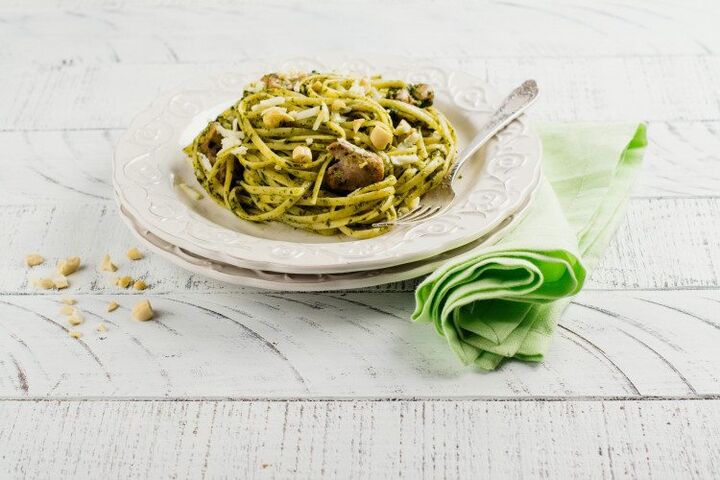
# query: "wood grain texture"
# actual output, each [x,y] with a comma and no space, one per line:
[127,31]
[360,439]
[347,345]
[80,96]
[251,379]
[663,243]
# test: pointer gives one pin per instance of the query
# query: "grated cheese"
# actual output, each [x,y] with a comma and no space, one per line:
[205,161]
[400,160]
[307,113]
[267,103]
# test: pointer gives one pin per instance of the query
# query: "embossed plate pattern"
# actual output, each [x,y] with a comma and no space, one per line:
[149,164]
[302,282]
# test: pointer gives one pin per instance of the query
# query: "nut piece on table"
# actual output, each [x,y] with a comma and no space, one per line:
[101,328]
[34,260]
[68,266]
[124,282]
[68,301]
[112,306]
[134,254]
[61,282]
[142,311]
[75,319]
[380,136]
[75,334]
[44,283]
[107,265]
[140,284]
[67,310]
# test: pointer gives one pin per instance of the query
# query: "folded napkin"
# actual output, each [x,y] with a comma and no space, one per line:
[505,300]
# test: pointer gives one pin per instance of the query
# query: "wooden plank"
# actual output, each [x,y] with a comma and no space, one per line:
[681,159]
[54,167]
[108,31]
[347,345]
[360,439]
[663,243]
[80,96]
[74,165]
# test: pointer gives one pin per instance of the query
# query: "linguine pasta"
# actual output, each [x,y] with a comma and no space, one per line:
[324,152]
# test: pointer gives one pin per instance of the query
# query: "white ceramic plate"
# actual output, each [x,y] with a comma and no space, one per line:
[298,282]
[149,164]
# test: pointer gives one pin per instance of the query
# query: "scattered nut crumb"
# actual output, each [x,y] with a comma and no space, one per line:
[66,310]
[124,282]
[140,285]
[44,283]
[134,254]
[61,282]
[68,301]
[75,334]
[101,328]
[112,306]
[34,260]
[76,318]
[107,265]
[68,265]
[142,311]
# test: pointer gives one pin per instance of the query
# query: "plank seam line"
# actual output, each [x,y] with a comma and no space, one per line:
[270,293]
[499,399]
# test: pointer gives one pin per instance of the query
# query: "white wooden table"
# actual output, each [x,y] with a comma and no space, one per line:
[233,382]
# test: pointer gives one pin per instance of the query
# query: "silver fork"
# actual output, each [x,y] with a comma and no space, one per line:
[438,200]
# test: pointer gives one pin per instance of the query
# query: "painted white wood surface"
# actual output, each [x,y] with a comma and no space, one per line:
[73,74]
[75,95]
[360,439]
[348,345]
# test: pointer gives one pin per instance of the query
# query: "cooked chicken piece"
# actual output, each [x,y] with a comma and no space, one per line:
[211,143]
[420,95]
[423,94]
[272,80]
[355,167]
[402,95]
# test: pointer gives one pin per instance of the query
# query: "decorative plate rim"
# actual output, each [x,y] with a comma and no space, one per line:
[304,282]
[513,161]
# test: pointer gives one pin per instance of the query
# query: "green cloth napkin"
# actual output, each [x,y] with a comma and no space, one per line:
[504,301]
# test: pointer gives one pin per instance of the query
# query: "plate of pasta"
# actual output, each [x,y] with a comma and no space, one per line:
[289,167]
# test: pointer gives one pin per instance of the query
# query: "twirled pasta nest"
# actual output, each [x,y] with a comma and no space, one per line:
[325,152]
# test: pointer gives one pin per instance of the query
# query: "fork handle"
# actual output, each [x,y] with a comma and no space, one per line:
[512,107]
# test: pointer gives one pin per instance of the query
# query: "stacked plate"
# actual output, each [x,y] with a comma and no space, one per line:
[150,168]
